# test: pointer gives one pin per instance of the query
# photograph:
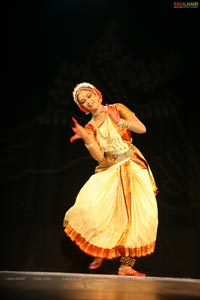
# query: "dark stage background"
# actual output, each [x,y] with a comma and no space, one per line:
[145,55]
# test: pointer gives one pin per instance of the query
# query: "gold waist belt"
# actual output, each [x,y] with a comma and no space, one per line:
[115,157]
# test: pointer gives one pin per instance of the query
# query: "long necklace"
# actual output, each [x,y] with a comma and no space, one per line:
[104,131]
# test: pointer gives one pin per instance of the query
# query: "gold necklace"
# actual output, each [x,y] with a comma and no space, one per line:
[106,136]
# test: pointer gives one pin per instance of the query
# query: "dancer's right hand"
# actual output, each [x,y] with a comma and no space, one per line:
[79,131]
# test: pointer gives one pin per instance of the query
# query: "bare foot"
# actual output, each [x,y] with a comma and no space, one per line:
[96,263]
[128,271]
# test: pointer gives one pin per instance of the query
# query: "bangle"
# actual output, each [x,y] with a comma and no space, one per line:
[123,123]
[89,145]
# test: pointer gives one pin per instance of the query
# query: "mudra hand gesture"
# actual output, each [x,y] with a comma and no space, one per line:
[79,131]
[113,113]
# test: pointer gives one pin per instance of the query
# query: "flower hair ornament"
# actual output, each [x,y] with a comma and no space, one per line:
[85,86]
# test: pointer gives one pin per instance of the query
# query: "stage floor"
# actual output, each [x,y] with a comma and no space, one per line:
[78,286]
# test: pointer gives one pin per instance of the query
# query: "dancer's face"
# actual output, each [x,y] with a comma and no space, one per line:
[89,100]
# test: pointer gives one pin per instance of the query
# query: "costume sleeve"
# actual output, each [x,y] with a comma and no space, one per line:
[93,147]
[91,131]
[125,112]
[131,121]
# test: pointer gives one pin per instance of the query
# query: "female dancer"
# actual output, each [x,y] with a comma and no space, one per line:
[115,213]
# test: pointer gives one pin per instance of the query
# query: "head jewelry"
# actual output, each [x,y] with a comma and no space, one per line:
[81,86]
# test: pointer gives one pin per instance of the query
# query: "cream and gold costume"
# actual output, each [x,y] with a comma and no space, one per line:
[115,213]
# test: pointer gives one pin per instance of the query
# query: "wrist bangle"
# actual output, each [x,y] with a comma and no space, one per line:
[123,123]
[89,145]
